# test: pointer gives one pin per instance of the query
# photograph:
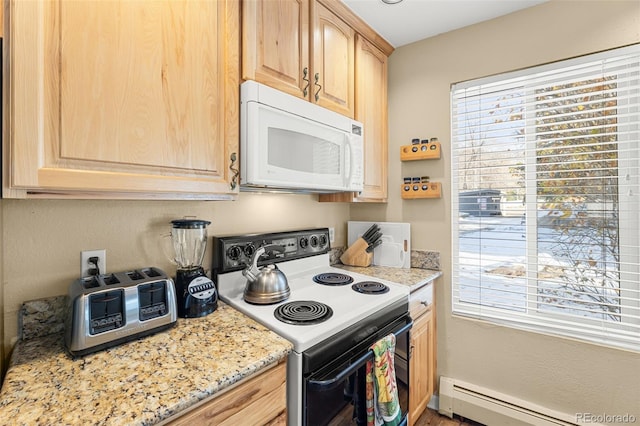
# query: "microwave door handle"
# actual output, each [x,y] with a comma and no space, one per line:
[348,159]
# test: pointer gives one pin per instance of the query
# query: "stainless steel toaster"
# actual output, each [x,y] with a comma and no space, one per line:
[107,310]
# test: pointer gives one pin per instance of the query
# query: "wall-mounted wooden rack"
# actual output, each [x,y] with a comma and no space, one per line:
[421,190]
[422,151]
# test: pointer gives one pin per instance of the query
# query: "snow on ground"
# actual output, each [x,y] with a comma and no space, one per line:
[497,277]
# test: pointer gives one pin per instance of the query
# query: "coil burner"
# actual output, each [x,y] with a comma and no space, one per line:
[303,312]
[333,278]
[370,287]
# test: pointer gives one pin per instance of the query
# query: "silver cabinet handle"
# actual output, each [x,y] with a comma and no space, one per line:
[305,77]
[234,170]
[317,78]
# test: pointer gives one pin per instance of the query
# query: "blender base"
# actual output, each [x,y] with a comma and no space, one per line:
[196,294]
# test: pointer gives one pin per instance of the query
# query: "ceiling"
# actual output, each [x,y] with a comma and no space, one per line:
[413,20]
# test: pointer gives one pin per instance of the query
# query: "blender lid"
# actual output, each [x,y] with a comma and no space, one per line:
[190,223]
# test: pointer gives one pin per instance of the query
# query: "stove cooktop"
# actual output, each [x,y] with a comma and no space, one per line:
[348,306]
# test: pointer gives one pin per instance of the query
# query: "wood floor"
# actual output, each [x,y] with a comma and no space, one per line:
[432,418]
[428,418]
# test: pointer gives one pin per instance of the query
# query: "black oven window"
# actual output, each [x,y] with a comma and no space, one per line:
[343,402]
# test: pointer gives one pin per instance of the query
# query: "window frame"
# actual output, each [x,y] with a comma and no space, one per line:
[533,319]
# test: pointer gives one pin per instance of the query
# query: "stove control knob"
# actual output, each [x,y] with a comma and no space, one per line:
[314,241]
[249,249]
[323,240]
[304,242]
[234,252]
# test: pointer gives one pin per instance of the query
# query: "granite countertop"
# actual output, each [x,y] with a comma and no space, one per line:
[414,278]
[138,383]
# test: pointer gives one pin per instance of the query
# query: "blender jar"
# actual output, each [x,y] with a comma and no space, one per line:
[189,238]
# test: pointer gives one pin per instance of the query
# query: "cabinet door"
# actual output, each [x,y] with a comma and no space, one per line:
[421,363]
[125,98]
[275,44]
[333,62]
[371,110]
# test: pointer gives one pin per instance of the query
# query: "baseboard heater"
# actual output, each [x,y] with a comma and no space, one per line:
[493,408]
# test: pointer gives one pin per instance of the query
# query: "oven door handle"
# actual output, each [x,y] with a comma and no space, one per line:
[319,385]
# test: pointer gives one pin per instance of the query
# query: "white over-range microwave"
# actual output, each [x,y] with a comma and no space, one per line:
[290,144]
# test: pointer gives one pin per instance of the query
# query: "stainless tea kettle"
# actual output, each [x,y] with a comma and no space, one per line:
[268,284]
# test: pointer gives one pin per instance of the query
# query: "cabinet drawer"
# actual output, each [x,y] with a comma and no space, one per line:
[420,301]
[260,400]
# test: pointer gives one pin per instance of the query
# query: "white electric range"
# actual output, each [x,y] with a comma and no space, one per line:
[331,317]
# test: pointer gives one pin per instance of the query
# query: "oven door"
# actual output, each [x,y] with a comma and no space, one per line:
[336,393]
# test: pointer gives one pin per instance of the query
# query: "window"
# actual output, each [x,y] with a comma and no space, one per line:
[546,198]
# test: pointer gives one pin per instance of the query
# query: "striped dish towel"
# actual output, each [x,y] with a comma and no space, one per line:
[383,406]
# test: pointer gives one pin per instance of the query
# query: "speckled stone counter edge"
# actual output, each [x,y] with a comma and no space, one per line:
[140,382]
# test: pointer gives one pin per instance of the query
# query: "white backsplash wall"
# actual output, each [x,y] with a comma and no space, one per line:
[42,239]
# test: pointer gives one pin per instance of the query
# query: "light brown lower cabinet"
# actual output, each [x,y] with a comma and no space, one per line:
[422,360]
[259,401]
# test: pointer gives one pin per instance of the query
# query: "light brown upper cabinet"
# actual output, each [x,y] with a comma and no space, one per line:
[122,99]
[371,110]
[333,63]
[302,48]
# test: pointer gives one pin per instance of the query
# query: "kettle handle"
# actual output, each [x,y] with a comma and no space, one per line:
[252,271]
[262,250]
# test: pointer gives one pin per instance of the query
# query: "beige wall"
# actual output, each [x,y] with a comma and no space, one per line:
[42,239]
[561,374]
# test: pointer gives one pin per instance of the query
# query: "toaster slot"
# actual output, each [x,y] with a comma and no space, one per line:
[152,272]
[106,311]
[135,276]
[110,279]
[152,298]
[90,282]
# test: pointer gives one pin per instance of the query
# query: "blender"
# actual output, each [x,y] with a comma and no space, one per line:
[196,294]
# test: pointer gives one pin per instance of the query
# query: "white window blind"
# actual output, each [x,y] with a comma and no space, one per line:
[546,198]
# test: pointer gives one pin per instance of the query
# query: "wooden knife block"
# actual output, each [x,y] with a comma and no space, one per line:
[356,254]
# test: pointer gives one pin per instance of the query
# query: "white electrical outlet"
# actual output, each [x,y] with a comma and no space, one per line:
[332,234]
[86,266]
